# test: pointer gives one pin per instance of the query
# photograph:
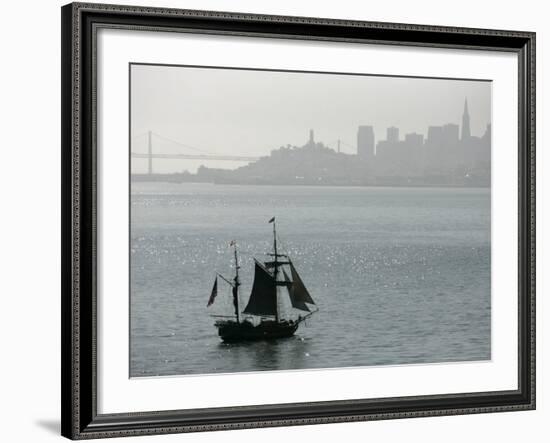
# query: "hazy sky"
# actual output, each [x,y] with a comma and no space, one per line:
[247,112]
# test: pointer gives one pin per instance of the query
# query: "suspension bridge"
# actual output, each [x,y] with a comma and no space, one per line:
[192,153]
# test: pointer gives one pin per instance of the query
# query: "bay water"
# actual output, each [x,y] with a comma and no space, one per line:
[400,275]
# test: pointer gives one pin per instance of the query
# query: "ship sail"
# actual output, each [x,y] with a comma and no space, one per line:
[299,295]
[263,298]
[214,293]
[294,299]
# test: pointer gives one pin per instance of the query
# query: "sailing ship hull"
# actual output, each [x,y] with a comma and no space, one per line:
[231,331]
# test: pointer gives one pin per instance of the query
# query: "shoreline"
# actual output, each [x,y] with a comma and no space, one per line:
[324,185]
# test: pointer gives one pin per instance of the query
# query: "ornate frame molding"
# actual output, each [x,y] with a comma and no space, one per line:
[79,391]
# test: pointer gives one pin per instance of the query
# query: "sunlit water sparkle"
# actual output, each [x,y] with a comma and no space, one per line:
[400,275]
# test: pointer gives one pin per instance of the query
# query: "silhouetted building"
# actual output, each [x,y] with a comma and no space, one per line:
[435,135]
[466,134]
[392,134]
[414,140]
[451,154]
[487,135]
[311,141]
[485,155]
[365,142]
[390,155]
[450,134]
[414,144]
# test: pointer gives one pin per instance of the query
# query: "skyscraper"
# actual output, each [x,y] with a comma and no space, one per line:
[392,134]
[365,142]
[465,135]
[450,134]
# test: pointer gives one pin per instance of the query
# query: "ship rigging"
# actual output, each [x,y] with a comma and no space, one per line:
[274,278]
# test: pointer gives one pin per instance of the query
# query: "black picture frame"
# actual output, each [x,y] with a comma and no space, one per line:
[79,211]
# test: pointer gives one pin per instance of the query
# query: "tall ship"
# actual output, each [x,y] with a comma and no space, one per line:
[261,318]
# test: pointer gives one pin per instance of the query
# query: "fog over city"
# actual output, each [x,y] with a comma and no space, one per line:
[251,113]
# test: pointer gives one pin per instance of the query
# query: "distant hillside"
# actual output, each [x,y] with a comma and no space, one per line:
[311,164]
[316,164]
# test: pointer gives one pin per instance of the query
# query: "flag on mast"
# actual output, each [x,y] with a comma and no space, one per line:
[214,293]
[272,220]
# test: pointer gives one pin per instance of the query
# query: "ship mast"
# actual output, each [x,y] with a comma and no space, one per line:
[236,282]
[275,269]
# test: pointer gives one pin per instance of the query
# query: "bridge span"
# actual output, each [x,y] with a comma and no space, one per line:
[198,154]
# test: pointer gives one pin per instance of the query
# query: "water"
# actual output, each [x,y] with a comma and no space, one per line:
[400,275]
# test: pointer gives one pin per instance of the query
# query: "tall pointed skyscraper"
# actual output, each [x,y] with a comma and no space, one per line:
[465,135]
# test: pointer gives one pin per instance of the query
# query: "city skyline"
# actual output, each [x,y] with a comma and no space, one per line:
[251,113]
[449,155]
[449,150]
[366,134]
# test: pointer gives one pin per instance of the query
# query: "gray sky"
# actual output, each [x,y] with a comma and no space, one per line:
[247,112]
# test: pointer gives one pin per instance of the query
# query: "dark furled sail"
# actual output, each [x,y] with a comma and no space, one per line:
[295,300]
[263,298]
[214,293]
[299,295]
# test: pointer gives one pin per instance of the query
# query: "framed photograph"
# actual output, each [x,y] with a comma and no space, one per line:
[273,221]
